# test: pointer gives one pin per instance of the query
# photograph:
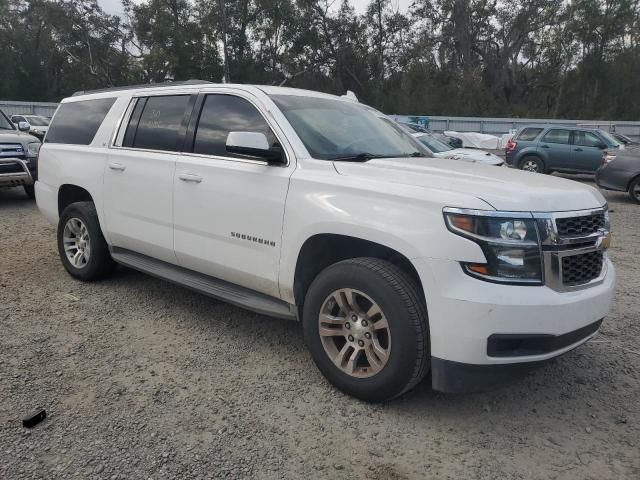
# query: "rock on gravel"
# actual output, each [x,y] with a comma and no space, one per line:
[143,379]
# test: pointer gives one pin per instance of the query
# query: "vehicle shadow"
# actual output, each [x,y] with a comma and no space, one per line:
[13,197]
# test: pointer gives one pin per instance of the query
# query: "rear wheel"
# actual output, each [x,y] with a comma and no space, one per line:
[532,164]
[367,329]
[634,190]
[81,245]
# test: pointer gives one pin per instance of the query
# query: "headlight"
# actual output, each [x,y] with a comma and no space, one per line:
[510,244]
[33,149]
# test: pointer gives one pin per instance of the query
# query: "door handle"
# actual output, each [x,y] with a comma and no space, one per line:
[190,177]
[577,149]
[544,146]
[117,166]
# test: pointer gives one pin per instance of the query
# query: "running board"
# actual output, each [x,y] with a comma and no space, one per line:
[213,287]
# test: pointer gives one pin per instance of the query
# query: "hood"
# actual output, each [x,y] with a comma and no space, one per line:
[503,188]
[474,156]
[14,136]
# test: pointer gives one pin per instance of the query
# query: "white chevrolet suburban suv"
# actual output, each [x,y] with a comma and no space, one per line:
[313,207]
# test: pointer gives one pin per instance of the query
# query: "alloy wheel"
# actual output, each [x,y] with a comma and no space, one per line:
[635,191]
[355,333]
[76,241]
[530,166]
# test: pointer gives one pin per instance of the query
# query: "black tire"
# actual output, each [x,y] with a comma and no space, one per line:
[530,160]
[398,297]
[634,190]
[30,190]
[100,262]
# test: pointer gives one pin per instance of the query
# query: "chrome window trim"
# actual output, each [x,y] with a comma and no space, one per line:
[116,139]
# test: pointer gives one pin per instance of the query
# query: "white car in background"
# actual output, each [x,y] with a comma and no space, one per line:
[38,125]
[442,150]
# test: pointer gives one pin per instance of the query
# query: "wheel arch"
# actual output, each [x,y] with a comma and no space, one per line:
[69,193]
[324,249]
[633,179]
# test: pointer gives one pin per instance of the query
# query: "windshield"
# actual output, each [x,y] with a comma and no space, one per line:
[38,121]
[433,144]
[335,129]
[5,123]
[611,142]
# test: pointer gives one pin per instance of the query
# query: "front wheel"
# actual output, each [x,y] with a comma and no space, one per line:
[366,327]
[634,190]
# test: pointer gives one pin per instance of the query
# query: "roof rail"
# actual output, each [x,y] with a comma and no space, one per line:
[144,85]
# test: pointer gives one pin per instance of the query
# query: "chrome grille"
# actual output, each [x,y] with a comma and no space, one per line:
[11,150]
[573,247]
[582,268]
[584,225]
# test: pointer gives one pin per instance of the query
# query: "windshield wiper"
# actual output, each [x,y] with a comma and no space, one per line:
[416,154]
[358,157]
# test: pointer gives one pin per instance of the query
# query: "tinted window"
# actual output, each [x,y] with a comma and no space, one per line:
[130,133]
[161,123]
[76,123]
[38,121]
[556,136]
[529,134]
[222,114]
[587,139]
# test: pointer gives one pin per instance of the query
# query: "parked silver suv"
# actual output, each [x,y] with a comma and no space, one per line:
[18,156]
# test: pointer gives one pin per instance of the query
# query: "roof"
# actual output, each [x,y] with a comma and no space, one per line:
[268,89]
[136,87]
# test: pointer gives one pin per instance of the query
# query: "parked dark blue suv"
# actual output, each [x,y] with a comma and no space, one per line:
[562,149]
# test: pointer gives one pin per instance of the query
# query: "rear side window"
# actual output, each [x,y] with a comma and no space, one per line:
[586,139]
[529,134]
[222,114]
[76,123]
[157,123]
[557,135]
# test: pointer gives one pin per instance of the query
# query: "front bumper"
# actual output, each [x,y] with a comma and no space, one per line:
[464,313]
[14,172]
[610,178]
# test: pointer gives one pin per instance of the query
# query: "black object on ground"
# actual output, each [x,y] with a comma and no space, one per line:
[35,418]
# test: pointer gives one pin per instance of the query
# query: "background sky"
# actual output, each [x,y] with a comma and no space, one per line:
[115,6]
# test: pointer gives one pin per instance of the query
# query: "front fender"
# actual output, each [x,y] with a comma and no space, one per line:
[405,218]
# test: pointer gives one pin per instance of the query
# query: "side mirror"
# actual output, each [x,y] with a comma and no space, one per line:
[24,126]
[253,144]
[601,145]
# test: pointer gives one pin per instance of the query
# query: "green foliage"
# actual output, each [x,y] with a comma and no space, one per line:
[542,58]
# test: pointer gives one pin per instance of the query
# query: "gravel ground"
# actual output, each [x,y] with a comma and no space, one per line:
[143,379]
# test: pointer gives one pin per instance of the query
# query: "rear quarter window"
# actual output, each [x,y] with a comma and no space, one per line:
[529,134]
[76,123]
